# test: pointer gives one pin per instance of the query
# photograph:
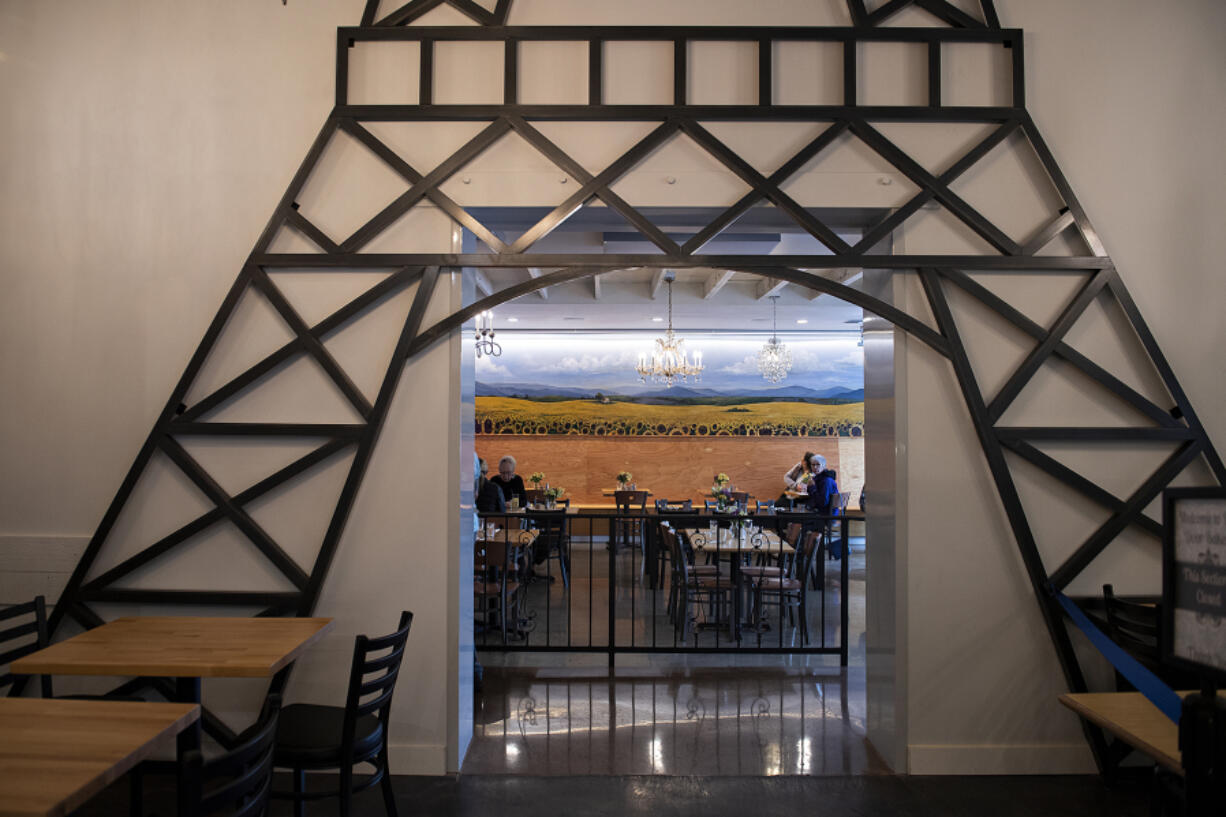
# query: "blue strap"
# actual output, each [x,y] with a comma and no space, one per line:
[1148,684]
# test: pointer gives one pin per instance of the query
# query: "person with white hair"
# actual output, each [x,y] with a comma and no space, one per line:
[510,483]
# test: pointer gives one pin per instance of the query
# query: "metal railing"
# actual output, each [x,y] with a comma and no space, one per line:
[662,582]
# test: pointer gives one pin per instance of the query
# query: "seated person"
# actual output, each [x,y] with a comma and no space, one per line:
[791,480]
[488,497]
[823,493]
[510,483]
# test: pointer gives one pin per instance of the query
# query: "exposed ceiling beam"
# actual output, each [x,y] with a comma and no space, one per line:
[657,281]
[842,275]
[715,282]
[535,272]
[770,286]
[482,282]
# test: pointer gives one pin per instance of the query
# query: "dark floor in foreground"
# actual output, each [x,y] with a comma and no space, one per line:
[513,796]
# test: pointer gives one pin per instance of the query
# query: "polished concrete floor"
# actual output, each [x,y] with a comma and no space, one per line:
[670,721]
[528,796]
[688,713]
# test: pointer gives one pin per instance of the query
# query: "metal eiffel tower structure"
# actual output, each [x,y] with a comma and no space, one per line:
[1170,420]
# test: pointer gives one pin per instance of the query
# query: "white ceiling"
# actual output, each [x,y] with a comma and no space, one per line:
[703,298]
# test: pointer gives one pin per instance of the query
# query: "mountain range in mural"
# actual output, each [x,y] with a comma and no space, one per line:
[537,391]
[566,384]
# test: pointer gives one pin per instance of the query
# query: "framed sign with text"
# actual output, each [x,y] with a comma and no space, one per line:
[1194,580]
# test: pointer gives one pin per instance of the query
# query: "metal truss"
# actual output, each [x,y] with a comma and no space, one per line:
[1173,421]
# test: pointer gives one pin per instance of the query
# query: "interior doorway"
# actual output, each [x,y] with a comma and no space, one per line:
[730,712]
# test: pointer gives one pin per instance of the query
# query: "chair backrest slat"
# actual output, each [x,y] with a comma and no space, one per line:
[358,682]
[238,783]
[14,610]
[32,634]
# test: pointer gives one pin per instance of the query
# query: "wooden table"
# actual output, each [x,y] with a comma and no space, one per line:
[56,754]
[186,648]
[1134,720]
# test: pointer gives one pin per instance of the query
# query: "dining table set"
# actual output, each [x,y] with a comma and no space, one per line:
[55,754]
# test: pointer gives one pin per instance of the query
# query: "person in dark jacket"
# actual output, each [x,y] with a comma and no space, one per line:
[510,483]
[489,498]
[824,488]
[823,497]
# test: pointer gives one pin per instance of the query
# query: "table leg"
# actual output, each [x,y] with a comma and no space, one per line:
[187,690]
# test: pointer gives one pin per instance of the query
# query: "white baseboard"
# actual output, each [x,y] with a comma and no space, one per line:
[416,758]
[1053,758]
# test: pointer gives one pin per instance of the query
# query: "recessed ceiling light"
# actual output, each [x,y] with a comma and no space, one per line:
[657,319]
[572,318]
[802,320]
[512,320]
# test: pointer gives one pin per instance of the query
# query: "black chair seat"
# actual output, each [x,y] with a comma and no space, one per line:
[310,735]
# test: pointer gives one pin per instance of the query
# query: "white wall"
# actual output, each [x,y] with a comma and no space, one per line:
[150,141]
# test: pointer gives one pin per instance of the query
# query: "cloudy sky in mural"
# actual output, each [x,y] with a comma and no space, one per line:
[606,362]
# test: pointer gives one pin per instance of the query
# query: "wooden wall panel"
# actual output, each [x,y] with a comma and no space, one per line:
[670,467]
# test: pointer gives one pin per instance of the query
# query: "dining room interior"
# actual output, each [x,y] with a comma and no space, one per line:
[492,223]
[565,385]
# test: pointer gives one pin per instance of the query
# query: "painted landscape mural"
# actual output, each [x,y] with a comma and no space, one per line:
[563,384]
[571,407]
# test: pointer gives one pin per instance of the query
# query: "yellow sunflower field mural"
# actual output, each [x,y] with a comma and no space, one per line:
[560,384]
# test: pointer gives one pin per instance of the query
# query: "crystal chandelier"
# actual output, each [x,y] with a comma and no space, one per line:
[774,359]
[668,363]
[485,335]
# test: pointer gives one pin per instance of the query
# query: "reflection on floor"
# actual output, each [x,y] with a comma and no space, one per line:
[698,722]
[729,713]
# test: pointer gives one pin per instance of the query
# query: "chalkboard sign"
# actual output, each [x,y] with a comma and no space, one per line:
[1194,580]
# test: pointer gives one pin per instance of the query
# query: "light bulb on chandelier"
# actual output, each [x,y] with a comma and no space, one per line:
[668,363]
[774,358]
[485,335]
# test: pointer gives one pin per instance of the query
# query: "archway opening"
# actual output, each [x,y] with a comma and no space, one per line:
[561,394]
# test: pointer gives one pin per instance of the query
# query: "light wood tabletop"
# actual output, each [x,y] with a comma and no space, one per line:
[1134,720]
[179,647]
[56,754]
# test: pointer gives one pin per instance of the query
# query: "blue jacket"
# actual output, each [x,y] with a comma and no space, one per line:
[822,492]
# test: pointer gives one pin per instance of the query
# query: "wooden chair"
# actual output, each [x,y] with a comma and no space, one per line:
[789,590]
[713,589]
[534,496]
[238,783]
[628,531]
[312,736]
[496,596]
[674,510]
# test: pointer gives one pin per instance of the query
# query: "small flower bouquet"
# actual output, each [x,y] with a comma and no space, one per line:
[623,478]
[536,479]
[554,493]
[721,492]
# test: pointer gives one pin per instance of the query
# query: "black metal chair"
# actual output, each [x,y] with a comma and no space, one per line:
[627,526]
[552,539]
[236,784]
[31,636]
[313,736]
[1137,627]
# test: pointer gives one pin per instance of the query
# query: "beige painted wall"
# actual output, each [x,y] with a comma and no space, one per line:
[150,141]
